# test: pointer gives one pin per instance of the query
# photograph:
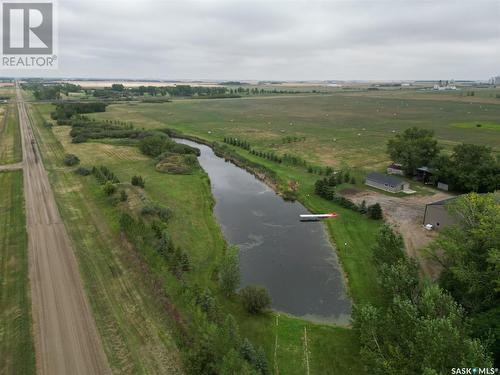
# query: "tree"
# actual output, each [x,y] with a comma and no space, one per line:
[229,274]
[428,335]
[374,211]
[255,299]
[469,252]
[389,246]
[154,145]
[117,87]
[469,168]
[414,148]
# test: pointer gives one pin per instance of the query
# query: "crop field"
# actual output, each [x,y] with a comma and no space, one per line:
[16,339]
[10,136]
[350,127]
[194,228]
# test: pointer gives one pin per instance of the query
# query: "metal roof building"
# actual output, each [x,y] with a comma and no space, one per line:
[388,183]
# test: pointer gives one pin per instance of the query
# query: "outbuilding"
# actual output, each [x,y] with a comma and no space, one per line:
[395,168]
[388,183]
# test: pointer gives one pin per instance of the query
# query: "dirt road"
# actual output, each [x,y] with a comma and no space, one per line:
[66,338]
[405,213]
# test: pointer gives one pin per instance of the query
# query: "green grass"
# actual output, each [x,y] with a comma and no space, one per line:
[475,125]
[330,123]
[10,136]
[134,328]
[16,338]
[333,350]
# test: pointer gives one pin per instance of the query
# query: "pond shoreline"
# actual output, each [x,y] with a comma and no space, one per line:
[270,255]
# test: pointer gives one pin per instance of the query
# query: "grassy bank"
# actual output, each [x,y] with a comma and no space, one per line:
[331,350]
[16,340]
[10,136]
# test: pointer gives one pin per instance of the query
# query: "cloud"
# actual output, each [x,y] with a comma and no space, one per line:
[294,40]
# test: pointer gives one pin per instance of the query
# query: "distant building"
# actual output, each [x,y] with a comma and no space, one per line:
[395,168]
[495,80]
[388,183]
[437,215]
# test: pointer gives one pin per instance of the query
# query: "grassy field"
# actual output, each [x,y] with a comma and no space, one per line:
[10,135]
[134,329]
[350,128]
[16,340]
[332,350]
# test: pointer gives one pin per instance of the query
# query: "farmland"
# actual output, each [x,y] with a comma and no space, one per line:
[16,340]
[342,130]
[350,128]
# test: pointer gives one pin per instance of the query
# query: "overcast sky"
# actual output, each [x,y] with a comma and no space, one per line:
[278,40]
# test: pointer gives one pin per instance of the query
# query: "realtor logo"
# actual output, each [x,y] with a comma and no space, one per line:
[28,33]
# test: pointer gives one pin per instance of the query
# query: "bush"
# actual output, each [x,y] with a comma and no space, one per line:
[151,209]
[229,274]
[255,299]
[109,188]
[82,171]
[70,159]
[374,211]
[138,181]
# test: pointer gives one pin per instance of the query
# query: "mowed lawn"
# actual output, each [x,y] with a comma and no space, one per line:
[17,355]
[340,127]
[331,350]
[10,135]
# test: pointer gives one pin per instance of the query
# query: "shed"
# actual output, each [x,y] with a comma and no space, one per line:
[388,183]
[395,168]
[437,214]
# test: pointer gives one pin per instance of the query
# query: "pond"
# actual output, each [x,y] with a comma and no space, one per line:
[294,260]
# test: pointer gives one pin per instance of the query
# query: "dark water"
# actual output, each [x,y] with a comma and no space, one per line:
[293,260]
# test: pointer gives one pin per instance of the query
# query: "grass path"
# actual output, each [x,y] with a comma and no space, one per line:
[10,136]
[16,339]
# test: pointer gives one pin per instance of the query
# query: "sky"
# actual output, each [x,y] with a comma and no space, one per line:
[277,40]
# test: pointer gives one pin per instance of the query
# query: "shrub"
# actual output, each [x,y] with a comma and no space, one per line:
[151,209]
[79,139]
[138,181]
[109,188]
[70,159]
[229,274]
[374,211]
[255,299]
[82,171]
